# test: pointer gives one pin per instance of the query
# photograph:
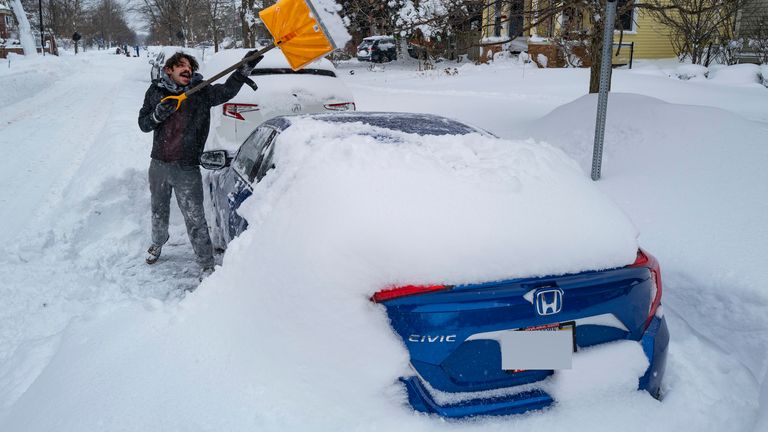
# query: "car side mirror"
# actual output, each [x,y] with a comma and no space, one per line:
[215,159]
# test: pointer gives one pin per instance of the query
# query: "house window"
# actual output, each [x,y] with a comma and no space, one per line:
[625,18]
[497,19]
[7,21]
[515,20]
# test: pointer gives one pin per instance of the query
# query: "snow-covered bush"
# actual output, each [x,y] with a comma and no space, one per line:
[542,60]
[227,43]
[727,51]
[737,74]
[691,71]
[759,46]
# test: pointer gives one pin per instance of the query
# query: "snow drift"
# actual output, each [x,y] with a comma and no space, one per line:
[697,175]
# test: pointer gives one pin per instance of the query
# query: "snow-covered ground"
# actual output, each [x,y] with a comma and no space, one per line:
[92,339]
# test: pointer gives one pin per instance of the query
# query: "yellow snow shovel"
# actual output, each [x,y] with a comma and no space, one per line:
[295,27]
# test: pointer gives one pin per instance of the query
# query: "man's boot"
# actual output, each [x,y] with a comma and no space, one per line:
[153,254]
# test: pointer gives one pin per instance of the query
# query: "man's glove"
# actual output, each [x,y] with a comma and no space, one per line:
[248,67]
[163,110]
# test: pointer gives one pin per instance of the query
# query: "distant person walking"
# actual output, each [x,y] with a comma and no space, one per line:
[179,139]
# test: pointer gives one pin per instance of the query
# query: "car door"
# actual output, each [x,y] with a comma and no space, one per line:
[236,183]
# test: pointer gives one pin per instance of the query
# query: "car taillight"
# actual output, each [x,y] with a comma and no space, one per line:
[234,110]
[343,106]
[644,259]
[406,290]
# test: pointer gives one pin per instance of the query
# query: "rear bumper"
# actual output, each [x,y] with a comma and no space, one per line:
[654,342]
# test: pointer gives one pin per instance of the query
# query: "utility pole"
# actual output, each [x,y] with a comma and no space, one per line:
[42,33]
[605,84]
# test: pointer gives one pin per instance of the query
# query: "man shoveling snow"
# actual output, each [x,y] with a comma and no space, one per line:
[179,139]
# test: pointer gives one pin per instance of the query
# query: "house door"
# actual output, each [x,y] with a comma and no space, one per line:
[516,19]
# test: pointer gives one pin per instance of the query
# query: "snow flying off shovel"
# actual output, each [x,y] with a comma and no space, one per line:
[298,29]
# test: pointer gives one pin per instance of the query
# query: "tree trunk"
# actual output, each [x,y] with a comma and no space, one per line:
[25,30]
[246,10]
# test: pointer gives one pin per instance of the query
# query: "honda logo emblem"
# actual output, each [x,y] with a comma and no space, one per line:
[549,301]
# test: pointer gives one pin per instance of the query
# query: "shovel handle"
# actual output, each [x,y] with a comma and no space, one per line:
[180,98]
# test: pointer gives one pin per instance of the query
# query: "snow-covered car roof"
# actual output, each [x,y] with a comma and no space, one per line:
[373,38]
[279,89]
[272,59]
[278,83]
[447,207]
[412,123]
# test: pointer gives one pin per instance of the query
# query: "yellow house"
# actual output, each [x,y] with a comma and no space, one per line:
[505,22]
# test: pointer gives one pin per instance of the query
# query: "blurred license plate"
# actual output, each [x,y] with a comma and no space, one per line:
[538,348]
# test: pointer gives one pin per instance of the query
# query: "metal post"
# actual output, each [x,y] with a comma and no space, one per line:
[605,82]
[42,33]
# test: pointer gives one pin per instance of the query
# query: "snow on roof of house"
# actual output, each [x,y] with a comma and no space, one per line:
[4,6]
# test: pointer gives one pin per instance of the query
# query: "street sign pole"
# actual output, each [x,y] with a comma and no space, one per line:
[605,83]
[42,33]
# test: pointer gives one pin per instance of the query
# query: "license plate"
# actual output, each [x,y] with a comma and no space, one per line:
[544,347]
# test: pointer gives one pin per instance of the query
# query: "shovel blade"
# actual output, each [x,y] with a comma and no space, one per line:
[297,31]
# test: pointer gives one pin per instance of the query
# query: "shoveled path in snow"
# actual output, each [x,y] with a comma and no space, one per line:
[75,211]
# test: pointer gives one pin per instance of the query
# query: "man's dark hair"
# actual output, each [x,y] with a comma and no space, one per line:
[175,60]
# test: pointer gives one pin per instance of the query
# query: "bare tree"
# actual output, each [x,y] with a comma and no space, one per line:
[214,13]
[248,14]
[370,17]
[64,17]
[108,26]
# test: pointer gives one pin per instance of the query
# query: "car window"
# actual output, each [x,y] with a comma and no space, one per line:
[265,161]
[251,152]
[289,71]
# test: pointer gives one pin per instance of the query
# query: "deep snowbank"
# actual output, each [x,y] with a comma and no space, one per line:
[22,77]
[694,180]
[682,171]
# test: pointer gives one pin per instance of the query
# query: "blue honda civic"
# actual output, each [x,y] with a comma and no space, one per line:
[465,340]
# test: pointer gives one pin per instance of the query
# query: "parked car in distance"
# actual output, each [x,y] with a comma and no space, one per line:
[377,49]
[281,90]
[462,339]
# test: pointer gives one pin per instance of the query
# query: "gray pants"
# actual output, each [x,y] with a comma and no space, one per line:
[187,184]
